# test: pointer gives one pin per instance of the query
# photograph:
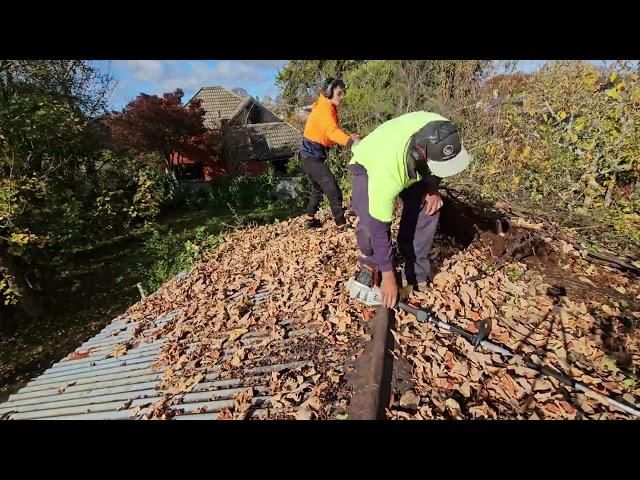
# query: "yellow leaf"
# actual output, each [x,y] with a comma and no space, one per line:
[454,406]
[620,289]
[304,413]
[613,93]
[586,280]
[238,332]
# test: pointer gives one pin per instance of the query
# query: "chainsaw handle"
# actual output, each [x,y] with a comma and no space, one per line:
[423,316]
[407,308]
[420,315]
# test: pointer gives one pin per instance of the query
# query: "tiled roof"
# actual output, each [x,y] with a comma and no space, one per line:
[262,141]
[218,103]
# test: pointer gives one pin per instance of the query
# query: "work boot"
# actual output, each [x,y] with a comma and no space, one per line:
[313,222]
[412,287]
[402,281]
[342,224]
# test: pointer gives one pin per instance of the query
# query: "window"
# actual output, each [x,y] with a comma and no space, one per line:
[259,145]
[254,114]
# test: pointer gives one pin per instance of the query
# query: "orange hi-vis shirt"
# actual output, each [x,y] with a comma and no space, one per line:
[322,125]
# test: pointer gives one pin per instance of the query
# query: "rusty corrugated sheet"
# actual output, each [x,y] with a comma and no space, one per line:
[91,383]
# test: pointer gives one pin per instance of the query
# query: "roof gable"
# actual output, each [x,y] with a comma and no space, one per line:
[218,104]
[222,104]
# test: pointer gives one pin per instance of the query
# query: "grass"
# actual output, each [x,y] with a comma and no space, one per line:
[514,273]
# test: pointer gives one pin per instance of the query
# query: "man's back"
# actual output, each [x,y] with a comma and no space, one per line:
[382,153]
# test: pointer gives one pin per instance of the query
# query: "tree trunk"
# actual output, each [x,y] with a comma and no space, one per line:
[27,301]
[609,194]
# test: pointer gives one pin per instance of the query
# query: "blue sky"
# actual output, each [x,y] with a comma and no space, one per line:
[160,76]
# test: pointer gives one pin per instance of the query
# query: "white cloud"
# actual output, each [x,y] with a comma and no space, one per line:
[145,70]
[268,63]
[160,76]
[225,73]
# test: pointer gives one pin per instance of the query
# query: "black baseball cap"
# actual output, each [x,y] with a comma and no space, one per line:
[440,142]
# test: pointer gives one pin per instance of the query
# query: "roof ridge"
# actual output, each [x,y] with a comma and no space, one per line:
[224,88]
[264,123]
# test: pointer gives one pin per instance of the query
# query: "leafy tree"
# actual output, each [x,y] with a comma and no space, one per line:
[48,137]
[240,92]
[157,124]
[299,80]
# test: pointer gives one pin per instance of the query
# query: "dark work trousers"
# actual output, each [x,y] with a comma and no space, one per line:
[322,182]
[417,229]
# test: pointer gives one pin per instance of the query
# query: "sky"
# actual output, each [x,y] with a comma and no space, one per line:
[156,77]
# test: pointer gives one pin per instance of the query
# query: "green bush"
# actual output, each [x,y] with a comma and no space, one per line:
[243,191]
[172,253]
[570,147]
[563,141]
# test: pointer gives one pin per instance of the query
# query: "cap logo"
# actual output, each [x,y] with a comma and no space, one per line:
[447,150]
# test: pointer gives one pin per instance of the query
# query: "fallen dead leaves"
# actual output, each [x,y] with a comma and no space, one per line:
[63,387]
[119,350]
[454,381]
[77,355]
[303,314]
[269,295]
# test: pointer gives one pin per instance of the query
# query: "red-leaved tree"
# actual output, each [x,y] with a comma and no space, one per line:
[157,124]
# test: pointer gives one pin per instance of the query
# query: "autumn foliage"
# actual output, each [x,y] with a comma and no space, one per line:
[151,123]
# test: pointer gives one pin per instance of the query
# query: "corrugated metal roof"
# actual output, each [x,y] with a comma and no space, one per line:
[92,384]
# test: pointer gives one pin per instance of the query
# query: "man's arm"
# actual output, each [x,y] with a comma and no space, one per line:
[432,199]
[432,182]
[380,216]
[383,255]
[334,132]
[381,243]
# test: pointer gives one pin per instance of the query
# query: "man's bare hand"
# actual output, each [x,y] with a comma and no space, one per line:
[389,289]
[433,203]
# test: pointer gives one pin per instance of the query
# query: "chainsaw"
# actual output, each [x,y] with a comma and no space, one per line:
[364,288]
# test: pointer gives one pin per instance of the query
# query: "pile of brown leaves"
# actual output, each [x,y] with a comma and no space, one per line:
[591,342]
[308,325]
[307,317]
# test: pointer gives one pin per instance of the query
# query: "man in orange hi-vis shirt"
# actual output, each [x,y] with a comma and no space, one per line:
[322,132]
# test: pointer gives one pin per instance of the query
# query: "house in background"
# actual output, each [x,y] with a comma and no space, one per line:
[251,137]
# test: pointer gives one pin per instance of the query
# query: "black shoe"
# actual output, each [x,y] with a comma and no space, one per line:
[314,223]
